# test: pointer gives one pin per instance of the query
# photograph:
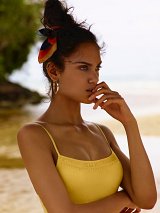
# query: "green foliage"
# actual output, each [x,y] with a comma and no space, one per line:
[19,20]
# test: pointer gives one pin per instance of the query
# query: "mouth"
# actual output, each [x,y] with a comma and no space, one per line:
[89,90]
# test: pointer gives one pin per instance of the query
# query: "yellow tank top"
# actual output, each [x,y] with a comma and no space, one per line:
[88,181]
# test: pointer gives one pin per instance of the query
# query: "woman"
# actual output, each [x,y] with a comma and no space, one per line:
[76,166]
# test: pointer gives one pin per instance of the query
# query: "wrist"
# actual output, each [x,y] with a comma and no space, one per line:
[130,123]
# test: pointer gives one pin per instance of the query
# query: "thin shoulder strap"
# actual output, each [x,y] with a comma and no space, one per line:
[102,132]
[50,136]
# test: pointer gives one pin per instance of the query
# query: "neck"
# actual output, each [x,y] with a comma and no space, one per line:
[63,111]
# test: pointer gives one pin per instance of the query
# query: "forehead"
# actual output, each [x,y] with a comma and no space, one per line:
[88,52]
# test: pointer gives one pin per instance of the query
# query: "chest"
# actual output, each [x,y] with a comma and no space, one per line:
[81,143]
[88,181]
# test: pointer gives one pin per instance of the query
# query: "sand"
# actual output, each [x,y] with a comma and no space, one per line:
[149,125]
[16,192]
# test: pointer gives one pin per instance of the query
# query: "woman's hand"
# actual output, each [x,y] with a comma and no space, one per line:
[129,210]
[111,102]
[131,207]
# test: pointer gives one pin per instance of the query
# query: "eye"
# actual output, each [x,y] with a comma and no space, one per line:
[98,68]
[84,67]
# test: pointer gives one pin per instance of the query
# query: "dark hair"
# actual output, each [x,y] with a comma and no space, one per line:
[70,34]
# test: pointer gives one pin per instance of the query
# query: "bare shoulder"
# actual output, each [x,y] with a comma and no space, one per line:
[34,145]
[28,130]
[109,135]
[32,138]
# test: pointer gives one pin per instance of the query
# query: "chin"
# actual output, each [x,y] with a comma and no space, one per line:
[86,102]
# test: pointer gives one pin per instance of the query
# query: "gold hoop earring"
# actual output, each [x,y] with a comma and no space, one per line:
[55,86]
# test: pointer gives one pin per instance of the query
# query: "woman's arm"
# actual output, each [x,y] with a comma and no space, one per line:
[36,150]
[140,174]
[112,204]
[138,178]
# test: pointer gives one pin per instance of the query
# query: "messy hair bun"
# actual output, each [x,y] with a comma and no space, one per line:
[70,34]
[57,13]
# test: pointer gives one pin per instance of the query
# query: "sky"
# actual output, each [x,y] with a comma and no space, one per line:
[131,31]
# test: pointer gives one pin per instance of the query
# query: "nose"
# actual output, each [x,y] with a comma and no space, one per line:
[94,78]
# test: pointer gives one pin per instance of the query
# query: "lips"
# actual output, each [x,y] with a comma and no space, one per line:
[89,90]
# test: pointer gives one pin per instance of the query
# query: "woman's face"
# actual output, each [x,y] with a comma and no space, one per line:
[81,73]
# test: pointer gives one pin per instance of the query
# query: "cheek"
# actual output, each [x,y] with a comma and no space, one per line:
[67,87]
[72,82]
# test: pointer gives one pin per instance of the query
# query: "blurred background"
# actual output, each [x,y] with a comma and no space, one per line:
[131,65]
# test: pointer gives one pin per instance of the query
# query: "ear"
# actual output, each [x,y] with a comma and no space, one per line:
[52,71]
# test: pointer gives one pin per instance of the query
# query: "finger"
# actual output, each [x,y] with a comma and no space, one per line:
[133,210]
[101,85]
[100,102]
[99,92]
[124,210]
[105,92]
[137,210]
[112,101]
[130,210]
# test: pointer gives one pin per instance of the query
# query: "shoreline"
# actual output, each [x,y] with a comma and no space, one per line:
[149,125]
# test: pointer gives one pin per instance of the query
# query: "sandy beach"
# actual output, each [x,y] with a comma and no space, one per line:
[149,125]
[16,191]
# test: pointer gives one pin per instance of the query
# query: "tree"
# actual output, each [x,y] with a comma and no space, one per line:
[19,21]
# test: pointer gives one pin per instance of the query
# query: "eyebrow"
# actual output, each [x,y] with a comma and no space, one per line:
[83,62]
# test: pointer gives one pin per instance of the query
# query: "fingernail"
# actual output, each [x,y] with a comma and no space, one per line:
[94,107]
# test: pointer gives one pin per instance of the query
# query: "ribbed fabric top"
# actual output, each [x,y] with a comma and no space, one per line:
[88,181]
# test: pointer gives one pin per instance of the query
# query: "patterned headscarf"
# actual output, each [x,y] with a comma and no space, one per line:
[49,46]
